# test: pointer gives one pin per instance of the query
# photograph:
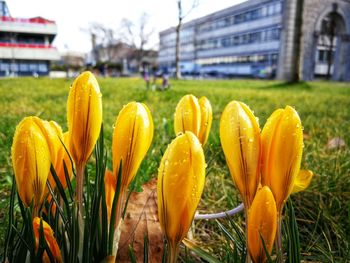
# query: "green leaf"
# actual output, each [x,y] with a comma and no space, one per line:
[293,243]
[9,233]
[114,210]
[132,254]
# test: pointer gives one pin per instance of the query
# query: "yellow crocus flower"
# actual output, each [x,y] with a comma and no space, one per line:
[50,240]
[132,137]
[240,140]
[262,223]
[84,116]
[206,119]
[282,145]
[31,161]
[187,115]
[180,185]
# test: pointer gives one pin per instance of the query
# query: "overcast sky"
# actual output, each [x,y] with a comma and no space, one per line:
[72,16]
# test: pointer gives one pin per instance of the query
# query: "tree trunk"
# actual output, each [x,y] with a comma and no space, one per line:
[297,40]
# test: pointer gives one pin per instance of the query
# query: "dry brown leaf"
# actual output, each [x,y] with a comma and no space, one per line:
[141,219]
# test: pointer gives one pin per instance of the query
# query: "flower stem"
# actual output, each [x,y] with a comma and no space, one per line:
[79,199]
[248,260]
[173,252]
[278,239]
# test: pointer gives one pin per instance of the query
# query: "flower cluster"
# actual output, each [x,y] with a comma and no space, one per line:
[48,163]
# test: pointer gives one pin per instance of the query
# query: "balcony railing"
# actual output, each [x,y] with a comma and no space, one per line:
[35,20]
[24,45]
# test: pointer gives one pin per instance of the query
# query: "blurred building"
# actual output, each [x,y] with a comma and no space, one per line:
[121,55]
[265,38]
[25,44]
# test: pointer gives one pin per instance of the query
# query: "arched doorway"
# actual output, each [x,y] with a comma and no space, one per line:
[330,30]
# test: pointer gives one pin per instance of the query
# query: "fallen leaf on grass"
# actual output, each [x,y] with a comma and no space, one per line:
[141,219]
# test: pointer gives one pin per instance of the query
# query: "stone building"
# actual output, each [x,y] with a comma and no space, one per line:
[286,39]
[321,44]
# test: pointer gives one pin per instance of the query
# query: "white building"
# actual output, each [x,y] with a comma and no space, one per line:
[25,44]
[259,38]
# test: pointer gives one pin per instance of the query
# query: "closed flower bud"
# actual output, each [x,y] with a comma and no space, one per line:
[84,115]
[181,180]
[50,240]
[132,137]
[282,145]
[187,115]
[262,224]
[206,119]
[31,161]
[110,185]
[240,140]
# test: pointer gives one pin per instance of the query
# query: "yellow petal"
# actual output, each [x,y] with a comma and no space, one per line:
[240,140]
[53,135]
[50,240]
[187,115]
[84,115]
[180,185]
[282,143]
[206,119]
[31,161]
[302,181]
[62,155]
[262,223]
[132,137]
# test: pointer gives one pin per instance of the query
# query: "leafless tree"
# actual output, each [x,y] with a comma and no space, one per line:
[137,35]
[181,16]
[104,37]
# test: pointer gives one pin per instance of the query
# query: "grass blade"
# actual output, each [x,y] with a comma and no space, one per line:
[200,252]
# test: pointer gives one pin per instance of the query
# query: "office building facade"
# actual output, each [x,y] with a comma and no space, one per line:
[26,44]
[261,38]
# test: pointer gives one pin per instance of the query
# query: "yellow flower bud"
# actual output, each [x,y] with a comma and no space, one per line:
[302,181]
[206,119]
[282,145]
[180,185]
[262,223]
[31,161]
[132,137]
[84,115]
[50,240]
[240,140]
[187,115]
[110,185]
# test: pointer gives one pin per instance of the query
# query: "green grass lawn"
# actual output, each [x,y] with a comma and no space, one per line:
[323,210]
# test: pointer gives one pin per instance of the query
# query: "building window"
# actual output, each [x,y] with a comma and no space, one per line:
[43,67]
[14,67]
[4,66]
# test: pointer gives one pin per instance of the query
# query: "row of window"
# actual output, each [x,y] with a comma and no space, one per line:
[242,39]
[23,66]
[257,58]
[254,14]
